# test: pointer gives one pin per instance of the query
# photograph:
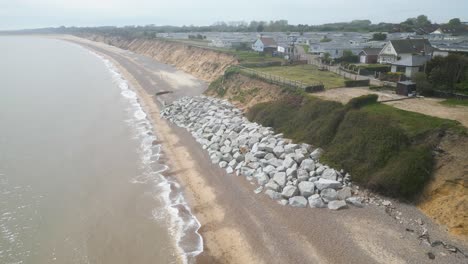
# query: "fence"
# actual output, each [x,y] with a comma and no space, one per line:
[278,80]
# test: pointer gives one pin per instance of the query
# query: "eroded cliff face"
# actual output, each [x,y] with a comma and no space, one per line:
[202,63]
[445,198]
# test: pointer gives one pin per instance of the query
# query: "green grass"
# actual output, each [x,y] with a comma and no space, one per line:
[308,74]
[384,148]
[455,102]
[414,124]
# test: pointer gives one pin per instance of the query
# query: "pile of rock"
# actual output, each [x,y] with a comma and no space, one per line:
[287,172]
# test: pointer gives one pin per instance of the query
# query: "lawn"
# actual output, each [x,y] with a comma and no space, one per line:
[412,123]
[248,57]
[308,74]
[455,102]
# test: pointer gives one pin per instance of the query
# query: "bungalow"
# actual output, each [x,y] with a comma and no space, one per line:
[265,44]
[404,48]
[369,55]
[410,65]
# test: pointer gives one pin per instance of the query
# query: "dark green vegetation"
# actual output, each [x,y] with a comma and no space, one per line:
[356,83]
[446,74]
[455,102]
[384,148]
[379,36]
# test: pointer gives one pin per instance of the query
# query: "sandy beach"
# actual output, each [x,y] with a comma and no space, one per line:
[239,226]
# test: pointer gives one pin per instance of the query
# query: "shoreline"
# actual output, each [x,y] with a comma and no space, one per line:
[169,150]
[291,233]
[174,217]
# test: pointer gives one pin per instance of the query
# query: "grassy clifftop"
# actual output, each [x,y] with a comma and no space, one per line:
[385,149]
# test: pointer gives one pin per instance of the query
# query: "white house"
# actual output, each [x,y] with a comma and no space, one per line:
[265,44]
[401,49]
[410,65]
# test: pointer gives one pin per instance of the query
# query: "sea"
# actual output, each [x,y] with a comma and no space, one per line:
[82,177]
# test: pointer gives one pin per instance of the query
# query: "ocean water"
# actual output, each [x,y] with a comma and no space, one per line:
[81,179]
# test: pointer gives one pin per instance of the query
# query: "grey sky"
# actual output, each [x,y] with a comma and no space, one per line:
[16,14]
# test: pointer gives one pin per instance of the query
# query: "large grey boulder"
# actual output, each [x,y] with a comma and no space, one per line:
[328,195]
[222,164]
[291,172]
[269,156]
[288,162]
[247,172]
[280,178]
[329,174]
[268,169]
[259,154]
[337,205]
[273,195]
[299,157]
[344,193]
[325,184]
[262,178]
[289,148]
[278,150]
[356,201]
[306,188]
[298,201]
[275,162]
[315,155]
[319,170]
[302,175]
[308,165]
[315,201]
[289,191]
[271,185]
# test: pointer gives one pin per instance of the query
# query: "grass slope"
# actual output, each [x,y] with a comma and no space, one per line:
[385,149]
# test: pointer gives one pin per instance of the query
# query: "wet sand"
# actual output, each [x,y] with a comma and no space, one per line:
[241,227]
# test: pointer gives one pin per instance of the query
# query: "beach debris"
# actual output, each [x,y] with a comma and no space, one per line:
[431,255]
[289,173]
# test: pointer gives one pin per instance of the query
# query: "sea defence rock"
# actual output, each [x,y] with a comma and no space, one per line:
[284,171]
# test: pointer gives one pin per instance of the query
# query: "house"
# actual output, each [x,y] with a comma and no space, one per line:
[265,44]
[400,49]
[369,55]
[411,65]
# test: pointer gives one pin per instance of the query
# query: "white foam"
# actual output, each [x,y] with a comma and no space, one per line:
[164,189]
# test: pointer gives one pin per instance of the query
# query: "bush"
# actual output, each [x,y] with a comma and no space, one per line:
[405,174]
[315,88]
[364,100]
[357,83]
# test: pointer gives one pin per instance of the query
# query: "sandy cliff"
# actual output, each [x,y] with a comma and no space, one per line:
[202,63]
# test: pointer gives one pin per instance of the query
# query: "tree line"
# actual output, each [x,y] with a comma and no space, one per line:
[420,24]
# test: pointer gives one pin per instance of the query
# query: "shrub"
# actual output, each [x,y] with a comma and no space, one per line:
[357,83]
[406,173]
[364,100]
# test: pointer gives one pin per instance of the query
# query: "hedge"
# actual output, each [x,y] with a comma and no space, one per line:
[357,83]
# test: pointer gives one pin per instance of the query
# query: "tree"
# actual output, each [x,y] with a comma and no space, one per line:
[422,21]
[379,36]
[327,56]
[454,22]
[423,86]
[447,73]
[260,27]
[348,56]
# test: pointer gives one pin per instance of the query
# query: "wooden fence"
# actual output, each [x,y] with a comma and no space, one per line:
[278,80]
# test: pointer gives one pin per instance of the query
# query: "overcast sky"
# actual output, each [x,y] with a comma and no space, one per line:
[17,14]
